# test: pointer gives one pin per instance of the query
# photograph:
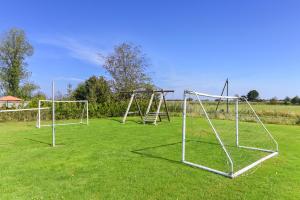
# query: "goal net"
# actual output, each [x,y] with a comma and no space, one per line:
[223,134]
[66,112]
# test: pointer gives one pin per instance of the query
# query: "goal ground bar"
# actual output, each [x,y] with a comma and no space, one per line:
[64,124]
[236,174]
[207,168]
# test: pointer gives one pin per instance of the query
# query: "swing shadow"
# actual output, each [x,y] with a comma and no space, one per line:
[127,120]
[155,156]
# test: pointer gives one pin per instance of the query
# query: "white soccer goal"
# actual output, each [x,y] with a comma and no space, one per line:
[201,100]
[81,106]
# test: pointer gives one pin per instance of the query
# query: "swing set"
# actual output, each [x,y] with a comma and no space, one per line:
[153,113]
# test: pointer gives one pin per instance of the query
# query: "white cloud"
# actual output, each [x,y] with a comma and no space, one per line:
[70,79]
[77,49]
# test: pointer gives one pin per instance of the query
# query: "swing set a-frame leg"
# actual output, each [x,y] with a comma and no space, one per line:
[158,109]
[166,108]
[128,108]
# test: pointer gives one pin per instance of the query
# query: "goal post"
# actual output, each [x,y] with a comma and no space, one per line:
[83,116]
[233,172]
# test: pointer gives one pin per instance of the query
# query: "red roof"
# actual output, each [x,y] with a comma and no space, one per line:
[9,98]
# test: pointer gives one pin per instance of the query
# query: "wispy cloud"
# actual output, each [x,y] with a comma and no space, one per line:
[76,49]
[69,79]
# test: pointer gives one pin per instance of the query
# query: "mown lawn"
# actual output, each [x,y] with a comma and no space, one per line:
[109,160]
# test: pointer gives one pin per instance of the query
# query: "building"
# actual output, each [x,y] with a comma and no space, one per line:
[10,101]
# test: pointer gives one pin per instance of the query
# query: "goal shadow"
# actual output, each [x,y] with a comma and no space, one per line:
[163,152]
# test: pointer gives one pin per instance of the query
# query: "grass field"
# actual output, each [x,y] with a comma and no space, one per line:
[109,160]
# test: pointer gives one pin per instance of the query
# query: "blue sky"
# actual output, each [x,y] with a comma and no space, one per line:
[191,44]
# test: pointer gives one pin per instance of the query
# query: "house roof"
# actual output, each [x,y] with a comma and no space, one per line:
[10,98]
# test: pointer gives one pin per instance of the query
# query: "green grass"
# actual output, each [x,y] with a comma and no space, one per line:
[109,160]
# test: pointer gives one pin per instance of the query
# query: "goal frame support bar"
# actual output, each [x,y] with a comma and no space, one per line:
[231,173]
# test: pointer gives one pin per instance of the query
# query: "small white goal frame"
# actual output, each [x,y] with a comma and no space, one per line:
[232,173]
[85,112]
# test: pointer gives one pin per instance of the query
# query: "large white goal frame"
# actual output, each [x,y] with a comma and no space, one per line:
[232,173]
[85,112]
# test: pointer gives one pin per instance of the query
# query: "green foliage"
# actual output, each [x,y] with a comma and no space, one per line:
[287,100]
[128,66]
[95,90]
[14,49]
[253,95]
[26,90]
[295,100]
[35,99]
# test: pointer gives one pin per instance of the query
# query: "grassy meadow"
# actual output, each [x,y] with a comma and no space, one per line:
[273,114]
[110,160]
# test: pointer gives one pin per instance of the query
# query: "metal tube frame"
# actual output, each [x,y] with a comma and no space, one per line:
[53,114]
[231,173]
[86,107]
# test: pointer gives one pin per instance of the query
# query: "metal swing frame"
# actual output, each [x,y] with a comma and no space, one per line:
[133,98]
[149,117]
[231,173]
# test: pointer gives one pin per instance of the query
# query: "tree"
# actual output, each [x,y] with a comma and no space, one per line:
[27,89]
[287,100]
[295,100]
[35,99]
[95,90]
[14,48]
[252,95]
[127,66]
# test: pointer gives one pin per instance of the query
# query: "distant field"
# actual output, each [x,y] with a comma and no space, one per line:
[109,160]
[275,114]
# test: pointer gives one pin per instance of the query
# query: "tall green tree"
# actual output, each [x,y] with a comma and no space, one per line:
[14,49]
[27,89]
[253,95]
[295,100]
[128,66]
[95,90]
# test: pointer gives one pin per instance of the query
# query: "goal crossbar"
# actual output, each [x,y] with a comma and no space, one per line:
[232,173]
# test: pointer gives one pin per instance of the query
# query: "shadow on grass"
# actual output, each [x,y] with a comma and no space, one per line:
[41,142]
[128,120]
[212,143]
[151,155]
[142,153]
